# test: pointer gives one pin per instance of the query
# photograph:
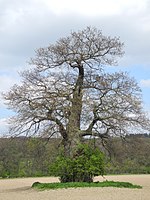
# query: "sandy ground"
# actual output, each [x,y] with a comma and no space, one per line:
[20,189]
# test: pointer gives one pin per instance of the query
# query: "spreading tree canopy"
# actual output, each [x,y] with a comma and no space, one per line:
[67,92]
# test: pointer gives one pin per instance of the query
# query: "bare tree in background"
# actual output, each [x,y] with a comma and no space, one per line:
[67,92]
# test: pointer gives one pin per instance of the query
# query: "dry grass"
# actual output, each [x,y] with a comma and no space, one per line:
[20,189]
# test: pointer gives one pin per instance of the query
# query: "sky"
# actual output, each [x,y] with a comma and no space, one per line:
[26,25]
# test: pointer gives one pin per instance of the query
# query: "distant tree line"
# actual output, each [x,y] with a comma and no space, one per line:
[130,155]
[25,157]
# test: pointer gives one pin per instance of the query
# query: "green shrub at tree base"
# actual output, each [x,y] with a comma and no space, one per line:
[86,163]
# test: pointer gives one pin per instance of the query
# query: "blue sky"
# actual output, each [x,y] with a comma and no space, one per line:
[28,25]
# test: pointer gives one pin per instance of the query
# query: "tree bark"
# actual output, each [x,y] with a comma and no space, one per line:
[73,126]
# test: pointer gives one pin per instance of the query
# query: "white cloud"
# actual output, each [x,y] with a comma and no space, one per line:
[145,83]
[27,25]
[7,81]
[3,121]
[3,126]
[95,7]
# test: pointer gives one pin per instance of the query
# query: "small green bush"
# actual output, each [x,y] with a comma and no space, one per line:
[86,163]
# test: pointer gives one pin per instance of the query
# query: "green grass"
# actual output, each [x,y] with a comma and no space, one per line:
[45,186]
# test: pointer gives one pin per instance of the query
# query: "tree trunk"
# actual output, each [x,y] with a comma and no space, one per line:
[73,126]
[73,132]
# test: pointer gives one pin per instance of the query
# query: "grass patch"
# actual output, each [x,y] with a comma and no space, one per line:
[45,186]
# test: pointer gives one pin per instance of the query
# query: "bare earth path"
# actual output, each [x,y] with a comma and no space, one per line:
[20,189]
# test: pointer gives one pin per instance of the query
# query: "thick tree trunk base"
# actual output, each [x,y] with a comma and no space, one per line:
[76,178]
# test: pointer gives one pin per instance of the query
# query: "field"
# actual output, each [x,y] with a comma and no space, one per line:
[20,189]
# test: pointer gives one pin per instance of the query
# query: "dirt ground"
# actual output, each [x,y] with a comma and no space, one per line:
[20,189]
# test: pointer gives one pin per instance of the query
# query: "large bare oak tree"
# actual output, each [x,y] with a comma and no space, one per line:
[68,93]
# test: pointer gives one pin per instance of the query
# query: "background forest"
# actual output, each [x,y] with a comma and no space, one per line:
[24,157]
